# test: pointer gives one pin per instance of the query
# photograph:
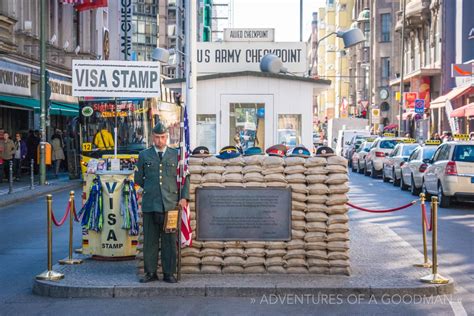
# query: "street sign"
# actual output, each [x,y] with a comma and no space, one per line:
[462,70]
[397,96]
[249,35]
[419,106]
[115,79]
[375,117]
[364,103]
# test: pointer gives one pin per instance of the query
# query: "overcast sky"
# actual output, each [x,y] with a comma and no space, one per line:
[282,15]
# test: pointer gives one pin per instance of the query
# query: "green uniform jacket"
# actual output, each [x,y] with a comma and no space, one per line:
[158,180]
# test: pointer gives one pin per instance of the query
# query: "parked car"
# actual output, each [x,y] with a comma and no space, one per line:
[418,162]
[381,147]
[391,164]
[358,157]
[450,174]
[344,138]
[354,144]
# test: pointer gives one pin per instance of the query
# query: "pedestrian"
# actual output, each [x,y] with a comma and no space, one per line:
[156,173]
[58,151]
[2,147]
[436,137]
[471,136]
[20,155]
[7,153]
[32,143]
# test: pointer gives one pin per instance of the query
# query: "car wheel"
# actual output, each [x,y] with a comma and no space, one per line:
[395,181]
[424,191]
[373,173]
[366,170]
[413,189]
[444,201]
[384,178]
[403,186]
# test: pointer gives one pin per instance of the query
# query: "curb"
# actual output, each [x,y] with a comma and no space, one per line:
[27,195]
[52,289]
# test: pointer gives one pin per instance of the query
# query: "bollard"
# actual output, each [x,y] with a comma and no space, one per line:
[434,277]
[10,177]
[49,274]
[70,259]
[32,174]
[426,263]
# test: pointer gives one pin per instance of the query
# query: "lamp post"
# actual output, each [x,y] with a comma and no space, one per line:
[43,103]
[402,70]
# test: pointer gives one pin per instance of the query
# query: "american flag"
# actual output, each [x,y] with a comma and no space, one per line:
[186,231]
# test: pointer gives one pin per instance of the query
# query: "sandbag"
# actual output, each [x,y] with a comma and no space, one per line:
[339,263]
[277,184]
[212,261]
[338,219]
[335,199]
[337,160]
[253,177]
[294,161]
[275,245]
[317,245]
[298,197]
[212,269]
[233,177]
[316,170]
[275,177]
[297,234]
[195,161]
[336,169]
[255,252]
[233,169]
[276,270]
[213,169]
[272,161]
[232,244]
[298,206]
[316,227]
[315,236]
[212,184]
[255,269]
[234,252]
[254,244]
[214,244]
[337,209]
[270,253]
[272,170]
[296,178]
[253,160]
[337,178]
[254,261]
[316,207]
[299,188]
[237,161]
[212,177]
[314,162]
[317,199]
[255,185]
[233,269]
[337,237]
[213,161]
[316,217]
[211,252]
[291,263]
[295,254]
[234,184]
[338,228]
[338,188]
[252,168]
[190,269]
[295,169]
[275,261]
[317,262]
[190,261]
[295,244]
[195,169]
[338,255]
[195,178]
[191,252]
[316,178]
[318,254]
[318,188]
[339,271]
[233,261]
[297,215]
[297,270]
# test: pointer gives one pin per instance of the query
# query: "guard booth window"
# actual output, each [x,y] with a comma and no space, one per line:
[247,125]
[289,129]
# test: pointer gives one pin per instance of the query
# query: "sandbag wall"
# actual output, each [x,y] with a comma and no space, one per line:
[320,230]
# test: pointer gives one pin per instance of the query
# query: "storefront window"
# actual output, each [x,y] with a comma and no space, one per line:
[206,131]
[289,129]
[247,125]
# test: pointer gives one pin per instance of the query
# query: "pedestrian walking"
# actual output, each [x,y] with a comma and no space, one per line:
[32,143]
[156,173]
[58,151]
[19,156]
[7,152]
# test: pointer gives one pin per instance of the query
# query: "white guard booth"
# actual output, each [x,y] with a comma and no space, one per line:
[254,108]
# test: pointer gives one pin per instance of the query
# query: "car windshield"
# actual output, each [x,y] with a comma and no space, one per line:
[428,152]
[464,153]
[408,149]
[388,144]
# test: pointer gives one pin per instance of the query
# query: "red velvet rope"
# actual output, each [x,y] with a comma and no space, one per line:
[381,211]
[429,225]
[77,219]
[60,223]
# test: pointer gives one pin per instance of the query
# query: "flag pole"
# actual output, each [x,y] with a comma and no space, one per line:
[181,175]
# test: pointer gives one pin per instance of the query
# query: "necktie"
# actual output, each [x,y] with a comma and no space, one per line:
[160,154]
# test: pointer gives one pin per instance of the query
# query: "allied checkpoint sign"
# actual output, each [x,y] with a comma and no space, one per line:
[114,78]
[243,214]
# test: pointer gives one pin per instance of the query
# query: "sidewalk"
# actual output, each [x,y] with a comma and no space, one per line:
[382,264]
[22,192]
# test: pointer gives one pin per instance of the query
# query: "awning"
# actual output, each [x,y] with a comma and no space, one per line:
[422,72]
[463,111]
[391,126]
[407,115]
[64,109]
[440,102]
[28,103]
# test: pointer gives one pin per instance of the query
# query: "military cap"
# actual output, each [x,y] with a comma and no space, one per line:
[252,151]
[298,151]
[324,151]
[277,150]
[159,128]
[228,152]
[201,151]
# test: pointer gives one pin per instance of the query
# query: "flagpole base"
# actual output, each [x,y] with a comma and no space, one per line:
[434,279]
[423,265]
[78,250]
[70,261]
[50,276]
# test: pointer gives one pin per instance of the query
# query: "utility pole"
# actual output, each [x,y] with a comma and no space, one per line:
[402,71]
[190,68]
[301,20]
[43,103]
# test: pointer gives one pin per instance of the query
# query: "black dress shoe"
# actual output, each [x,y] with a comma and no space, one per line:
[149,278]
[169,278]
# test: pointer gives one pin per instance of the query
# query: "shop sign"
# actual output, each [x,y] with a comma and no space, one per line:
[111,78]
[126,28]
[221,57]
[15,79]
[410,98]
[61,89]
[249,35]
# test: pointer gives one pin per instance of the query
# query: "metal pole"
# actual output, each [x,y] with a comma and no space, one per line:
[50,274]
[402,70]
[434,277]
[190,63]
[10,177]
[371,45]
[43,20]
[301,20]
[72,209]
[115,129]
[426,263]
[32,174]
[181,170]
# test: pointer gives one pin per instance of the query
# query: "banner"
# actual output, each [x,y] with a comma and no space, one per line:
[115,79]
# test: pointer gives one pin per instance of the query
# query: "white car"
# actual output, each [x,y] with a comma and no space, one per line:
[381,147]
[391,164]
[451,173]
[415,167]
[358,158]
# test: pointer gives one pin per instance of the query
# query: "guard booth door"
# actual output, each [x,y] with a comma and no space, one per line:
[246,119]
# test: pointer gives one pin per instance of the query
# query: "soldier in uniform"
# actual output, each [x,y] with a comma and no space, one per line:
[156,173]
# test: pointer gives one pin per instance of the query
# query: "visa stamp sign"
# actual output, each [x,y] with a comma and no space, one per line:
[112,78]
[220,57]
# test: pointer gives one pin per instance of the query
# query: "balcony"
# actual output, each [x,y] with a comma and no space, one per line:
[417,13]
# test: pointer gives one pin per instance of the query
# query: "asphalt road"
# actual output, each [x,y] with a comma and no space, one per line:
[23,255]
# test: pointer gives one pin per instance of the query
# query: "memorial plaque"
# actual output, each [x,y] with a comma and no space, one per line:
[243,213]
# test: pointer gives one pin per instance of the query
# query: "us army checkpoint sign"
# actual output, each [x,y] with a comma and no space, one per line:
[113,78]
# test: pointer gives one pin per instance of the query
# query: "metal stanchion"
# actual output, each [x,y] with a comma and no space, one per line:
[426,263]
[32,174]
[434,277]
[49,274]
[70,259]
[10,177]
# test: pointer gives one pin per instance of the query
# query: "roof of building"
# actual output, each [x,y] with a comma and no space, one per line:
[254,74]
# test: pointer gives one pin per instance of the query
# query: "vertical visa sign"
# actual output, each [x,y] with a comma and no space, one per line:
[126,28]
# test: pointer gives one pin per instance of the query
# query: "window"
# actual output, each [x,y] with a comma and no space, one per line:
[385,72]
[464,153]
[414,154]
[247,125]
[389,144]
[442,153]
[386,26]
[206,131]
[289,129]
